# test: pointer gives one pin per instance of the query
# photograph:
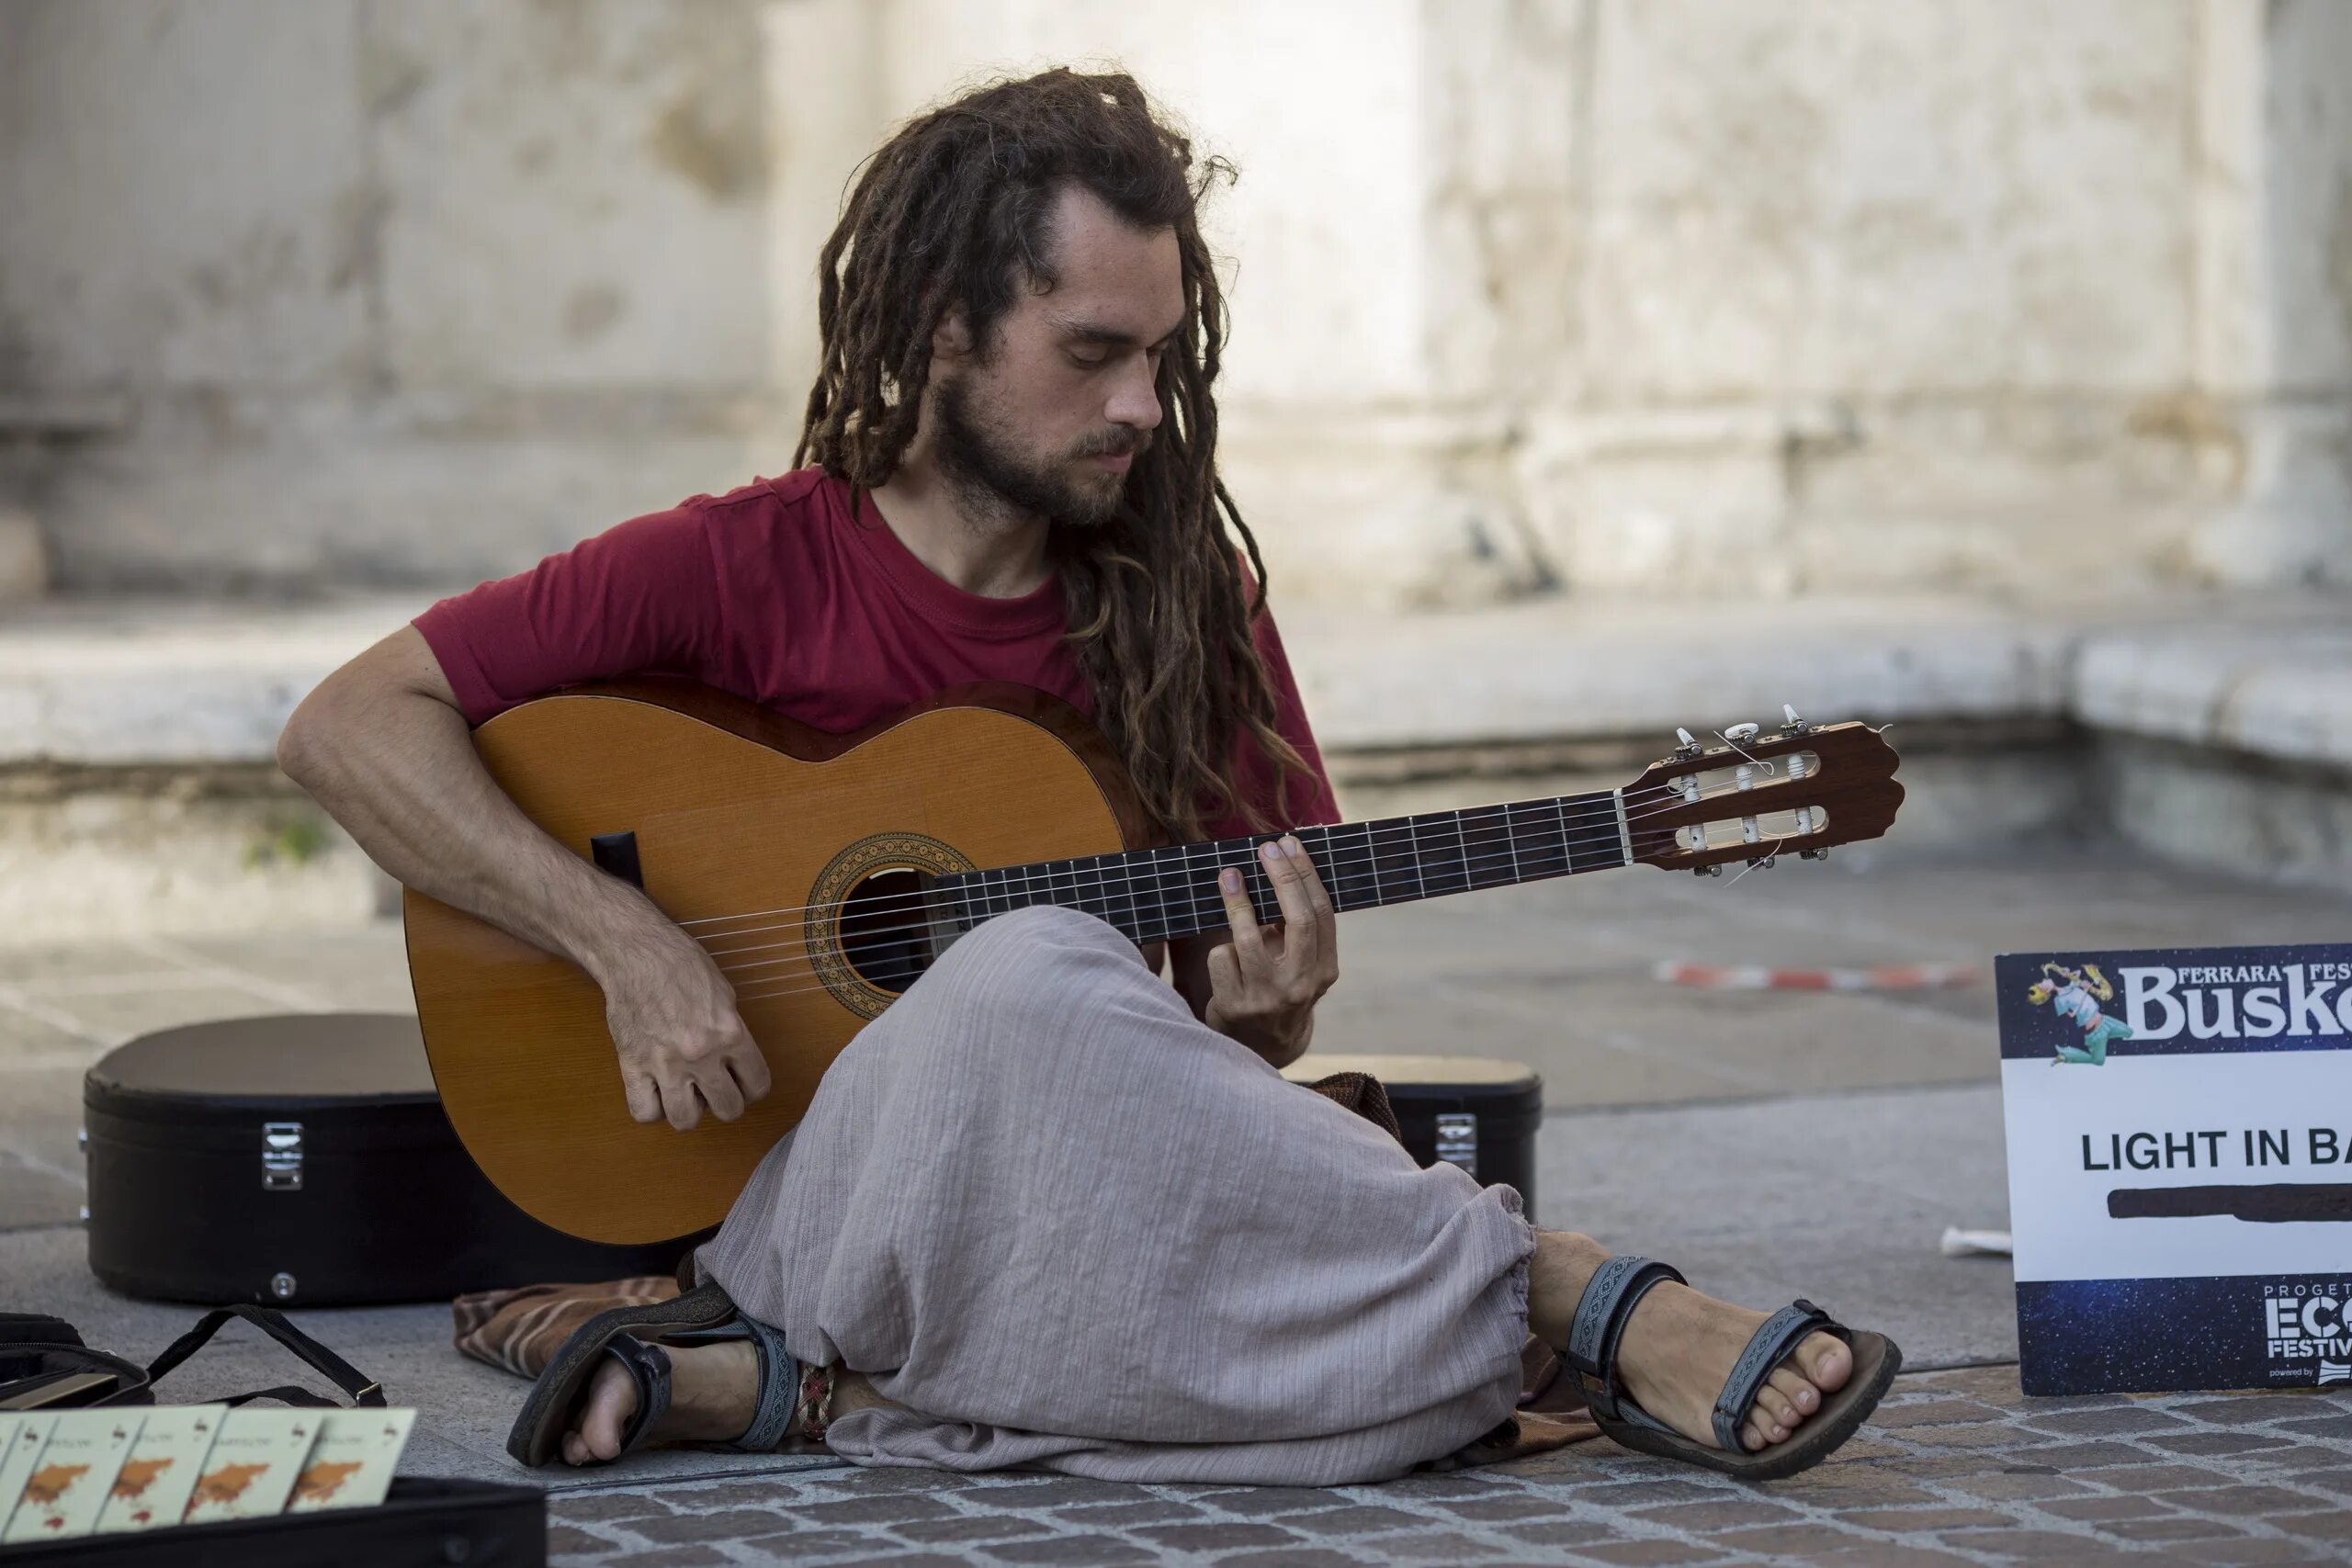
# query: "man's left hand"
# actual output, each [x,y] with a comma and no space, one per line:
[1265,981]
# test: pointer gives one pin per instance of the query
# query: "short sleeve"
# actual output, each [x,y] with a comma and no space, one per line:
[639,598]
[1308,800]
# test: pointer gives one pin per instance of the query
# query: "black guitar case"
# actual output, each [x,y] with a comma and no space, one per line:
[304,1160]
[1478,1112]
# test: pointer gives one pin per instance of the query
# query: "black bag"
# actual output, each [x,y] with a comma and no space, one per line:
[422,1524]
[304,1160]
[36,1345]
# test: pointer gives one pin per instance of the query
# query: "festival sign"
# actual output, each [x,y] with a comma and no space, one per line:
[2180,1167]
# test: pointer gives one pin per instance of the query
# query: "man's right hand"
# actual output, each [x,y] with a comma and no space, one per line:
[682,1043]
[382,744]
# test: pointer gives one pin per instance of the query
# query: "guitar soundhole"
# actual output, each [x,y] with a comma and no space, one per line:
[882,930]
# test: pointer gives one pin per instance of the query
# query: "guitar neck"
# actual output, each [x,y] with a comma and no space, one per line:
[1157,895]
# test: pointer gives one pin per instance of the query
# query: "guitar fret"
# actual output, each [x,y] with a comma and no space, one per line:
[1443,870]
[1537,843]
[1316,842]
[1169,920]
[1490,858]
[1197,912]
[1119,903]
[1592,828]
[1347,867]
[1142,910]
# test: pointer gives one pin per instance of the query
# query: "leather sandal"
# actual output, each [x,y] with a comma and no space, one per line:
[1598,1328]
[635,1336]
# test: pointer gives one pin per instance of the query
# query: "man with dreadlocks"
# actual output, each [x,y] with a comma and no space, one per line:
[1046,1210]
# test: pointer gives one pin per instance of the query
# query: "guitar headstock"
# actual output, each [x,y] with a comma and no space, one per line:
[1757,795]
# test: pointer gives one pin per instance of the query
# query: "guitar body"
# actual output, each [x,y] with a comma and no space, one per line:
[753,833]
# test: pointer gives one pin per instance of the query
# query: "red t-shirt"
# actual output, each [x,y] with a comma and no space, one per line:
[775,593]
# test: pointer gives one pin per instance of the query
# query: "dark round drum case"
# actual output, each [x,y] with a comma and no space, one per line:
[304,1159]
[1478,1112]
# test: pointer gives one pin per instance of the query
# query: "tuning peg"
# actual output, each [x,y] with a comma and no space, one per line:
[1740,734]
[1690,748]
[1793,724]
[1706,871]
[1821,853]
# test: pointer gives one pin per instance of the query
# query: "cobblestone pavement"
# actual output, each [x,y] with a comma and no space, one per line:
[1957,1469]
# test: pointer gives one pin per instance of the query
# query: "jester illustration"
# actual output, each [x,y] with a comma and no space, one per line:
[2076,994]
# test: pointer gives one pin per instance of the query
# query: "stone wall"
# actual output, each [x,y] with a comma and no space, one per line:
[1627,296]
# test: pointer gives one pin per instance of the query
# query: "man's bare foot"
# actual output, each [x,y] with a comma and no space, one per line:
[1680,1345]
[713,1393]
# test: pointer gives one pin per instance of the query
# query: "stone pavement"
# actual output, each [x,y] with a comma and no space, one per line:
[1770,1144]
[1957,1470]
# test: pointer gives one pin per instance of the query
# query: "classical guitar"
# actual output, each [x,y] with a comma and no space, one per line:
[823,873]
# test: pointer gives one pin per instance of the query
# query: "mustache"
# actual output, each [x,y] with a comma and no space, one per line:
[1114,444]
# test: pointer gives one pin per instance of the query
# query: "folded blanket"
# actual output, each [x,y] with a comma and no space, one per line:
[519,1330]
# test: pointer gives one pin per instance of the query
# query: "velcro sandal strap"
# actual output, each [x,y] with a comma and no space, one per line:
[1779,1333]
[1602,1311]
[649,1367]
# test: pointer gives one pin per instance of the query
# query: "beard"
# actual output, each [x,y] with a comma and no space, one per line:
[981,460]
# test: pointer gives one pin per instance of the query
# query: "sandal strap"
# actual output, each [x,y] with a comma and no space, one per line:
[779,1401]
[649,1367]
[775,1408]
[1602,1311]
[1773,1340]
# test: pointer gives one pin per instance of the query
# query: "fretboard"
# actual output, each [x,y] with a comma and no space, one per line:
[1155,894]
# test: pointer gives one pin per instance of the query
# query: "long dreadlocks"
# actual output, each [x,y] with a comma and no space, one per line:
[953,211]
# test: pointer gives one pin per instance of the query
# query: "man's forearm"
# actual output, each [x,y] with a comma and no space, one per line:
[400,772]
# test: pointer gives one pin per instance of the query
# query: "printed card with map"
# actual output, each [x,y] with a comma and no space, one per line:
[27,1434]
[152,1488]
[70,1480]
[351,1464]
[255,1456]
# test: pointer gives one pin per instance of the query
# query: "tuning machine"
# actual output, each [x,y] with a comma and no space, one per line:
[1792,723]
[1689,748]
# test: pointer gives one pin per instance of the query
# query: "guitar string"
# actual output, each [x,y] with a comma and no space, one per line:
[1350,861]
[1642,796]
[797,967]
[906,900]
[1370,843]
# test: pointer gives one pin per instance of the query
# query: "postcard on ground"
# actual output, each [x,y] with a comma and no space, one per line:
[2180,1167]
[159,1476]
[255,1456]
[70,1480]
[17,1460]
[351,1464]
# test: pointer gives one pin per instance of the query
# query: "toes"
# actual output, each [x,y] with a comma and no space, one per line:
[1760,1433]
[1802,1397]
[611,1401]
[1826,1361]
[1776,1408]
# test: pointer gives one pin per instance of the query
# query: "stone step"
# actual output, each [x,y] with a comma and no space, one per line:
[120,681]
[137,789]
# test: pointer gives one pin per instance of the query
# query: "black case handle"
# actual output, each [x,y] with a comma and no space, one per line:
[363,1390]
